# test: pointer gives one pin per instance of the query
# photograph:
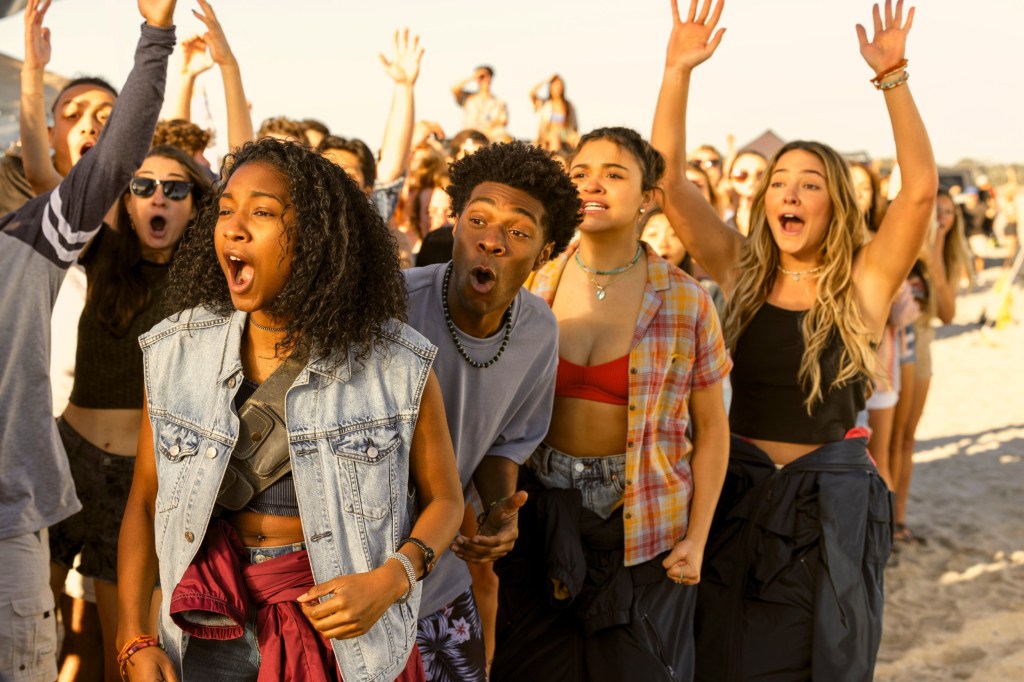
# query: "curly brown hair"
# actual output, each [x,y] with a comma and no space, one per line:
[185,135]
[345,286]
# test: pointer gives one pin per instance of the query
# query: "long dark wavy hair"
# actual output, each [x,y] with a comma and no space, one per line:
[117,290]
[346,283]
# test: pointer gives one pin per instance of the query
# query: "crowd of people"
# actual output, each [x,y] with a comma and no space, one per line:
[634,414]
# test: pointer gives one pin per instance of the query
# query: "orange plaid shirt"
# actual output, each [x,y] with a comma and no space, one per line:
[677,347]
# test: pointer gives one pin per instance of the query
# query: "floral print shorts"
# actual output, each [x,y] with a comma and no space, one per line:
[451,642]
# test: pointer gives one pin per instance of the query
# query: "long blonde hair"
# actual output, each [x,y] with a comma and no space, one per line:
[834,308]
[954,250]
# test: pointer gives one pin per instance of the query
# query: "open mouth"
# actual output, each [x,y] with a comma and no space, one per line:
[594,207]
[482,279]
[790,223]
[239,274]
[86,146]
[157,225]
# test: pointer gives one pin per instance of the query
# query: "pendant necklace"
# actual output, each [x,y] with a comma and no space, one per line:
[797,274]
[616,273]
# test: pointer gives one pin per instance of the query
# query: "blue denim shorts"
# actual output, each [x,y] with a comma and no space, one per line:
[601,480]
[232,660]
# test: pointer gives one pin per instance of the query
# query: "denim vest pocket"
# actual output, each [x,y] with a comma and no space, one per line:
[366,461]
[175,447]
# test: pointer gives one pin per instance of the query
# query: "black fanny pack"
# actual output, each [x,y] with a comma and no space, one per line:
[260,456]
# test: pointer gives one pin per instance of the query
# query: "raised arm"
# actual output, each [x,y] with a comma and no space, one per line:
[195,60]
[240,129]
[459,89]
[60,223]
[886,260]
[403,66]
[713,243]
[535,97]
[35,143]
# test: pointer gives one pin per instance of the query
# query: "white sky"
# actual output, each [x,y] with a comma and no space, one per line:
[789,65]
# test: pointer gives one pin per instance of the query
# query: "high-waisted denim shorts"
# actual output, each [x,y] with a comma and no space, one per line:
[601,480]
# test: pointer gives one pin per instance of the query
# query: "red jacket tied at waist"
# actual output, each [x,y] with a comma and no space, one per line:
[213,600]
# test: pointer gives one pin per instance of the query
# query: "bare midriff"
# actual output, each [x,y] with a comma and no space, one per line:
[784,453]
[585,428]
[115,431]
[265,530]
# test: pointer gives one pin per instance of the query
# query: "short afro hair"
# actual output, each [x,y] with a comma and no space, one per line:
[527,168]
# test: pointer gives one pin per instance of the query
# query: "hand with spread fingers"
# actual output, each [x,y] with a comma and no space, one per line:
[888,46]
[215,40]
[403,65]
[496,535]
[355,601]
[37,36]
[683,563]
[693,41]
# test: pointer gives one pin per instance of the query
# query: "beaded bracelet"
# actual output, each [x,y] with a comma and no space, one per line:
[132,647]
[889,85]
[877,80]
[410,573]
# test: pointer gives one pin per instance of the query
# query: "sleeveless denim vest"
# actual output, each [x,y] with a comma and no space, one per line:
[349,429]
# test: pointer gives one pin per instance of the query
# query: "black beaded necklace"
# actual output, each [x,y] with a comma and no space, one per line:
[455,335]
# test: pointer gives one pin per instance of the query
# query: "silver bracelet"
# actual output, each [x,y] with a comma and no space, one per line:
[410,573]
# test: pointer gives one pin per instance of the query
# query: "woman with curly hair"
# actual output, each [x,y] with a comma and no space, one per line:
[601,584]
[292,424]
[792,584]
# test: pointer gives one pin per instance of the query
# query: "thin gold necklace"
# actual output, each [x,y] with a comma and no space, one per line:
[797,274]
[616,273]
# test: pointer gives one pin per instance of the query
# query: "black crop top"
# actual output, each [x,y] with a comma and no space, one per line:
[767,398]
[108,368]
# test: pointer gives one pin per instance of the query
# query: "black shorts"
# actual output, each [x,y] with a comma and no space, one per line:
[103,482]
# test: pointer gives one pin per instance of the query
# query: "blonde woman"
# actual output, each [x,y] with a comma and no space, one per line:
[934,283]
[792,579]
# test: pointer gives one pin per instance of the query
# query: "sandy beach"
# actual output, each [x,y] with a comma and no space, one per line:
[955,604]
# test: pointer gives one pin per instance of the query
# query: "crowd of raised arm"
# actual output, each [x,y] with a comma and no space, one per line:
[631,412]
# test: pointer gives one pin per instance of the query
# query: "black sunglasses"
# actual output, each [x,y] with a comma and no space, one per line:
[175,190]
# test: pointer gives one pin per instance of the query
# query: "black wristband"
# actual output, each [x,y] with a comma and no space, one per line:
[428,554]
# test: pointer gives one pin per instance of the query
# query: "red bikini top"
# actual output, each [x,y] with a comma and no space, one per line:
[605,383]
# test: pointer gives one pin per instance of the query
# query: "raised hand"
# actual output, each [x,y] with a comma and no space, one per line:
[694,40]
[37,37]
[888,46]
[403,65]
[214,38]
[195,57]
[158,12]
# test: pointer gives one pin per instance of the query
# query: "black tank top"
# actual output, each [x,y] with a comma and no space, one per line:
[767,398]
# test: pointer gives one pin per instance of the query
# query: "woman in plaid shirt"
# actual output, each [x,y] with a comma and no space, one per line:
[602,582]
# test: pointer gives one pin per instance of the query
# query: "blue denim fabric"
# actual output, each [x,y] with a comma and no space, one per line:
[350,427]
[599,479]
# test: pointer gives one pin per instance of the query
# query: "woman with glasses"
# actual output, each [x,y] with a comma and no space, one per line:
[745,174]
[126,265]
